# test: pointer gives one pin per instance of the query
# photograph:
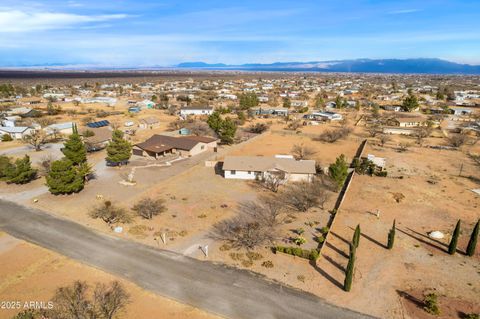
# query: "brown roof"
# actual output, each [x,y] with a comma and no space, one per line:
[102,134]
[263,164]
[160,143]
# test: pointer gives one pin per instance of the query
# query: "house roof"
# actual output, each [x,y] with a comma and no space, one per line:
[262,164]
[16,129]
[60,126]
[102,134]
[160,143]
[197,108]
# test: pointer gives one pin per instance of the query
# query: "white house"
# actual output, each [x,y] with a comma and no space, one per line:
[196,110]
[60,128]
[327,116]
[17,132]
[10,121]
[257,167]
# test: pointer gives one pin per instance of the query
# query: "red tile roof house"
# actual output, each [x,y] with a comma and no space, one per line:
[186,146]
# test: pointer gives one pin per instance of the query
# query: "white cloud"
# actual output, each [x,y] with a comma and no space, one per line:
[404,11]
[22,21]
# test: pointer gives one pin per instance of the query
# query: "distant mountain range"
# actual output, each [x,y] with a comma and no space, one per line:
[419,66]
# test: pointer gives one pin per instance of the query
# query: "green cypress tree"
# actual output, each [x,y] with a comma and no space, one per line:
[472,243]
[21,172]
[356,236]
[391,236]
[338,171]
[74,148]
[452,248]
[119,149]
[347,284]
[64,178]
[227,131]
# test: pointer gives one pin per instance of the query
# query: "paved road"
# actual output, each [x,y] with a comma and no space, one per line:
[215,288]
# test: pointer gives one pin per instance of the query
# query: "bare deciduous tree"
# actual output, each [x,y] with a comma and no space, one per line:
[110,213]
[421,134]
[331,136]
[110,299]
[301,151]
[147,207]
[37,139]
[304,195]
[266,210]
[384,138]
[457,140]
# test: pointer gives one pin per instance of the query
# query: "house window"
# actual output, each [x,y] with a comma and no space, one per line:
[202,147]
[249,172]
[233,172]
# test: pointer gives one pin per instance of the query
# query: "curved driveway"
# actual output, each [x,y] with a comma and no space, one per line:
[219,289]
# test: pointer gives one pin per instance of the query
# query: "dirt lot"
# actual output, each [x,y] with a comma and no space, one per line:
[31,273]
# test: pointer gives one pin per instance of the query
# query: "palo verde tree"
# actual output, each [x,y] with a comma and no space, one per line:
[452,248]
[356,236]
[64,178]
[74,149]
[118,150]
[347,284]
[338,171]
[472,243]
[391,236]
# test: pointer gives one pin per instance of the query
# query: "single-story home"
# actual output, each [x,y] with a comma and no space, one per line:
[99,140]
[23,112]
[149,122]
[325,116]
[409,121]
[60,128]
[461,111]
[259,168]
[17,132]
[196,110]
[394,108]
[396,130]
[11,121]
[260,111]
[186,146]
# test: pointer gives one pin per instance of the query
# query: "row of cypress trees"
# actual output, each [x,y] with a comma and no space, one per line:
[452,248]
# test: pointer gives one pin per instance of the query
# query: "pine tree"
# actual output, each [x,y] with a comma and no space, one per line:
[410,103]
[215,121]
[472,243]
[391,236]
[74,148]
[21,172]
[347,284]
[356,236]
[452,248]
[338,171]
[227,131]
[64,178]
[118,150]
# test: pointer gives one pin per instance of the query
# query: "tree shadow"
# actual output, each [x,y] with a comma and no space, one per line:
[326,275]
[370,239]
[333,262]
[340,237]
[417,302]
[421,240]
[219,169]
[338,251]
[426,236]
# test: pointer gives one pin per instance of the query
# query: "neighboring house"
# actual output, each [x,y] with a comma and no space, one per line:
[17,132]
[394,108]
[461,111]
[297,103]
[98,124]
[196,110]
[134,109]
[259,168]
[149,122]
[110,101]
[99,140]
[409,121]
[10,121]
[261,111]
[325,116]
[146,104]
[186,146]
[60,128]
[398,130]
[23,112]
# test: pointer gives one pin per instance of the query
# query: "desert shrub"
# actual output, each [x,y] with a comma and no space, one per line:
[247,263]
[110,213]
[324,230]
[472,316]
[331,136]
[257,128]
[267,264]
[431,304]
[147,207]
[299,240]
[302,196]
[319,239]
[236,256]
[138,231]
[225,247]
[301,151]
[312,254]
[301,278]
[457,140]
[7,138]
[253,255]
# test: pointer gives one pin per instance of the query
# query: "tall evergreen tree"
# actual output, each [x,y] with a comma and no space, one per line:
[64,178]
[215,121]
[74,148]
[452,248]
[391,236]
[119,149]
[338,171]
[347,284]
[472,243]
[21,172]
[227,131]
[410,103]
[356,236]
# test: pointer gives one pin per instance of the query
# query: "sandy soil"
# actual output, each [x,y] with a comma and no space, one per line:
[31,273]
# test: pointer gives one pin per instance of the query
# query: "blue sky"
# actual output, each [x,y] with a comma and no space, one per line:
[166,32]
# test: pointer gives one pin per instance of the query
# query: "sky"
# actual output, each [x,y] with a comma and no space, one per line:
[138,33]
